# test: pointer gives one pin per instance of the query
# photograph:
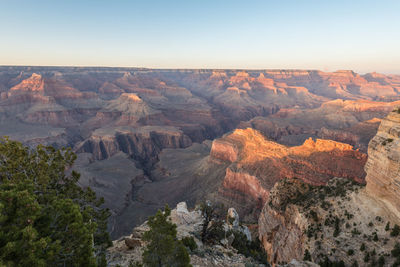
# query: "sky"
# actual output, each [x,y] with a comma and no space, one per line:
[361,35]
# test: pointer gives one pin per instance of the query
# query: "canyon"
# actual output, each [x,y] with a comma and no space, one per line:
[342,220]
[146,137]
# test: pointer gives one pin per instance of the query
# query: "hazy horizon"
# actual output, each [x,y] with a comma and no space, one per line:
[361,36]
[232,69]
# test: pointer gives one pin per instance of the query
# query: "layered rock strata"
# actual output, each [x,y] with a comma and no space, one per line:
[383,165]
[256,164]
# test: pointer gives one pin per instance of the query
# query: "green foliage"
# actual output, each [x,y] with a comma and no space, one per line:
[328,263]
[251,249]
[366,257]
[163,248]
[337,227]
[212,226]
[46,219]
[375,238]
[215,232]
[307,255]
[387,227]
[396,250]
[395,231]
[350,252]
[362,247]
[188,241]
[381,261]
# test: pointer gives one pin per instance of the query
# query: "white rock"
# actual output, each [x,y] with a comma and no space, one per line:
[181,207]
[233,217]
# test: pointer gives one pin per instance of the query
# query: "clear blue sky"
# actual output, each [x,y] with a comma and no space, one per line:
[362,35]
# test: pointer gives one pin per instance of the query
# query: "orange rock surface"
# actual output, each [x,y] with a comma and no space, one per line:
[257,164]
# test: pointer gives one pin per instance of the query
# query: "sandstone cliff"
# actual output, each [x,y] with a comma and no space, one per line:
[326,223]
[256,164]
[383,165]
[340,220]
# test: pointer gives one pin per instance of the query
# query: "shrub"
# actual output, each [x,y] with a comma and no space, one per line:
[375,237]
[350,252]
[188,241]
[247,248]
[337,227]
[163,248]
[215,232]
[212,226]
[381,261]
[307,255]
[366,257]
[395,231]
[396,250]
[387,227]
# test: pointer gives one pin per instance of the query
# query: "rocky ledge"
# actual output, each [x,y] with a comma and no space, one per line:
[128,250]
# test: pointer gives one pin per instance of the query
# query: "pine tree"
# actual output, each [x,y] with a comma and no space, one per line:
[46,219]
[164,250]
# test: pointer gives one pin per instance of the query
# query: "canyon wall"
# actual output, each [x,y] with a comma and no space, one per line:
[256,164]
[300,217]
[383,165]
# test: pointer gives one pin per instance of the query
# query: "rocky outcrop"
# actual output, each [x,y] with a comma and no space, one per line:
[325,223]
[225,151]
[256,164]
[282,233]
[34,84]
[297,217]
[353,122]
[383,165]
[143,144]
[127,109]
[129,249]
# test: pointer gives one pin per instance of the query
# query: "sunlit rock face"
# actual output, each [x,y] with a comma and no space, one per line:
[383,165]
[353,122]
[256,164]
[289,222]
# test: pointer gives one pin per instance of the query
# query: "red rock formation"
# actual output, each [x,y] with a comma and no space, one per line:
[257,164]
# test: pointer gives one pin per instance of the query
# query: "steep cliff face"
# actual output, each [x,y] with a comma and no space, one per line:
[326,222]
[256,164]
[333,219]
[282,228]
[383,165]
[142,144]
